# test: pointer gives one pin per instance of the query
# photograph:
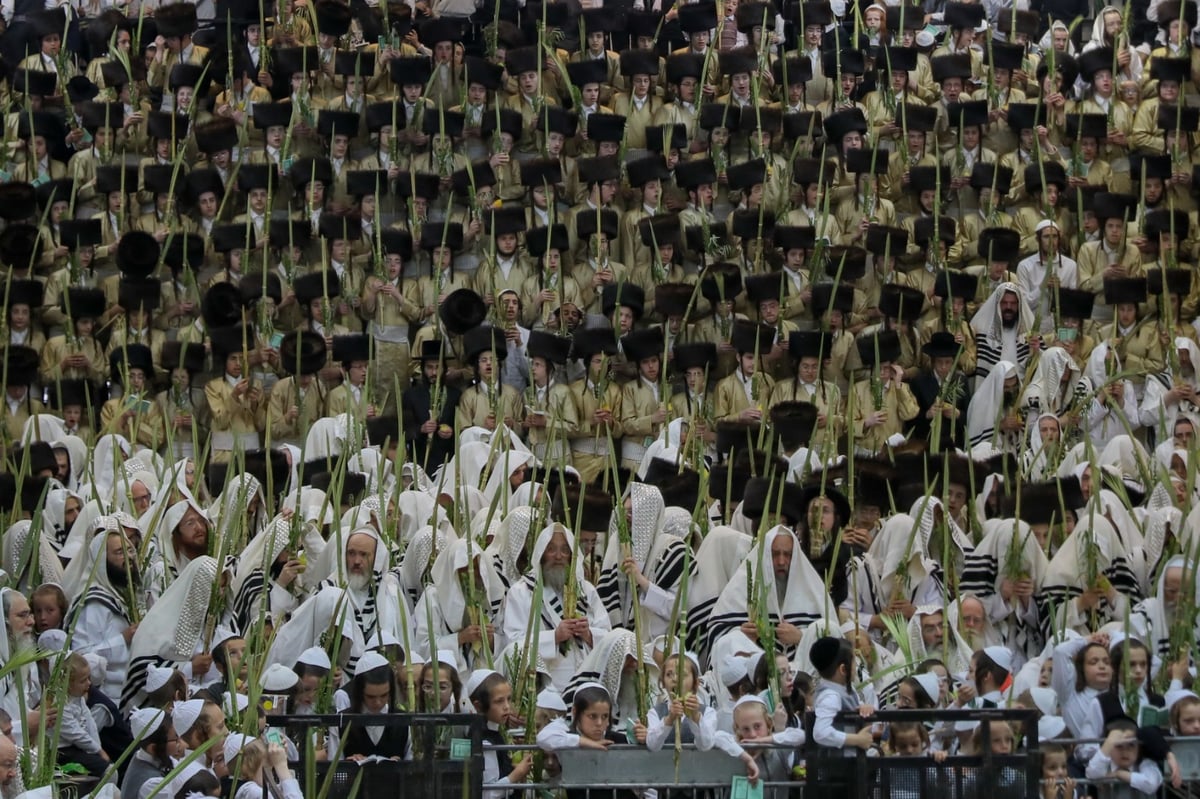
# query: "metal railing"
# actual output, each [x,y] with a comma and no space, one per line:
[446,763]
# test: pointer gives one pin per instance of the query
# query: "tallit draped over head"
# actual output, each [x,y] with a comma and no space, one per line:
[987,406]
[605,665]
[987,320]
[805,599]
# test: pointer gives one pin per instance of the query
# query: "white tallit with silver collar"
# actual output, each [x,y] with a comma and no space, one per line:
[896,565]
[606,665]
[1153,618]
[29,558]
[253,588]
[954,652]
[171,630]
[926,510]
[804,600]
[658,554]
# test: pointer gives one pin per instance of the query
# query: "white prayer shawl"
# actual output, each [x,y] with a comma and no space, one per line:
[989,327]
[605,664]
[925,511]
[1152,618]
[717,559]
[417,563]
[99,610]
[805,599]
[329,609]
[77,451]
[1045,391]
[171,631]
[22,548]
[512,539]
[954,651]
[109,450]
[42,427]
[371,462]
[1111,421]
[1039,457]
[325,438]
[659,555]
[382,607]
[562,660]
[734,644]
[170,562]
[466,467]
[987,407]
[877,573]
[414,509]
[11,688]
[446,604]
[1066,576]
[253,589]
[229,510]
[499,491]
[1099,38]
[54,510]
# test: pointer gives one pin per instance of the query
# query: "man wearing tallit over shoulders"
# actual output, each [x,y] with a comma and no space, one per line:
[172,632]
[359,563]
[564,635]
[457,625]
[267,574]
[105,583]
[182,535]
[653,565]
[794,592]
[1091,579]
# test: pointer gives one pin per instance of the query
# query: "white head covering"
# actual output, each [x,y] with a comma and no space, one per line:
[185,715]
[987,321]
[987,403]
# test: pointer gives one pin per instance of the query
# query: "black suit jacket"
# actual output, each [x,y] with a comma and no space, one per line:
[925,390]
[415,407]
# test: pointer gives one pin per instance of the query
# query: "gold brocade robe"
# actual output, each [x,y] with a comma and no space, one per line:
[732,398]
[900,405]
[476,404]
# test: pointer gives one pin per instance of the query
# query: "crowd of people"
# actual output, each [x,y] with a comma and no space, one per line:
[615,373]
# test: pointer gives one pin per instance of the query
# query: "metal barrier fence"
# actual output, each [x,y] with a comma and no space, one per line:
[448,750]
[447,758]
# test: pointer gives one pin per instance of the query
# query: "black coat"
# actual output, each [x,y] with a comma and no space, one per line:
[925,390]
[415,408]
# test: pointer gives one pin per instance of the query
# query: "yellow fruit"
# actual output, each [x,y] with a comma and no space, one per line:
[444,428]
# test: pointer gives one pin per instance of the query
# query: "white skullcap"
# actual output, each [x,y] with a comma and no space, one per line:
[447,657]
[145,721]
[98,665]
[369,662]
[733,670]
[752,662]
[1000,655]
[1045,699]
[149,787]
[551,700]
[924,39]
[157,677]
[221,635]
[385,639]
[277,678]
[749,699]
[315,656]
[1171,697]
[52,641]
[185,715]
[1116,639]
[1050,727]
[415,659]
[235,742]
[1045,223]
[589,684]
[930,684]
[235,703]
[475,680]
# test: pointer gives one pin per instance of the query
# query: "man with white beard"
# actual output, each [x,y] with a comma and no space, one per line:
[11,784]
[18,641]
[562,642]
[379,606]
